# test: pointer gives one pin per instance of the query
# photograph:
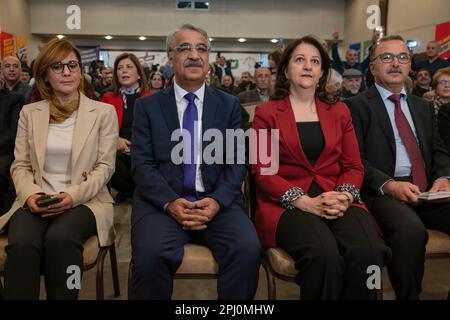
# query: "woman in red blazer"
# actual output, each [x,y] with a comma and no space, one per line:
[311,206]
[129,83]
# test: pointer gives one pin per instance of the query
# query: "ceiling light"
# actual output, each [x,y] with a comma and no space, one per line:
[242,39]
[274,40]
[211,39]
[108,37]
[60,36]
[142,38]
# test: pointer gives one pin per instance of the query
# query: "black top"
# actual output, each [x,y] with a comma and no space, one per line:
[444,124]
[437,64]
[313,142]
[127,120]
[10,105]
[419,91]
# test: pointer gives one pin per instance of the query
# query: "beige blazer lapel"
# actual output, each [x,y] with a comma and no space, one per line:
[85,121]
[40,118]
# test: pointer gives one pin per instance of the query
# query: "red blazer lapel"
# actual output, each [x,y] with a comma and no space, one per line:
[289,133]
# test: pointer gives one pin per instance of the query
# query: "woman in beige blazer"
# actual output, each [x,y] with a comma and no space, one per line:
[65,148]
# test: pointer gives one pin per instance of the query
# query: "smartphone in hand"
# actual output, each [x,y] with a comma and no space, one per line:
[46,201]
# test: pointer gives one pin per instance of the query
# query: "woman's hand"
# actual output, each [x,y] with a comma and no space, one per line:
[336,203]
[65,204]
[32,204]
[123,145]
[329,205]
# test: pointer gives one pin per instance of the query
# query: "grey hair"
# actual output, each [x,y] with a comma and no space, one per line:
[384,39]
[187,26]
[334,77]
[260,68]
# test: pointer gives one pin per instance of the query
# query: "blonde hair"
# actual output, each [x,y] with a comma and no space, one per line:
[438,74]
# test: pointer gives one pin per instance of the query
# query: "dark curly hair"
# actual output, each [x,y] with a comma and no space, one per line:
[282,84]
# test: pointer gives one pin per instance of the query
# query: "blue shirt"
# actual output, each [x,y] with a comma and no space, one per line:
[403,166]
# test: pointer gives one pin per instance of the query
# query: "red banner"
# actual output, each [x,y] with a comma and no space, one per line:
[442,35]
[6,44]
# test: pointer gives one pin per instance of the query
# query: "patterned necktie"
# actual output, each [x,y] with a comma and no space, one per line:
[189,118]
[409,140]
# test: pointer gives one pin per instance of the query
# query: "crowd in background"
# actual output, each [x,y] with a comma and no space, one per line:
[429,78]
[347,78]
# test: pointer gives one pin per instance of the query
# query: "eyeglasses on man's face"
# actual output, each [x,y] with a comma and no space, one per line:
[187,47]
[387,57]
[72,65]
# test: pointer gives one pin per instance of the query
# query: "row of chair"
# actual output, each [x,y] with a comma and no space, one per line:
[199,263]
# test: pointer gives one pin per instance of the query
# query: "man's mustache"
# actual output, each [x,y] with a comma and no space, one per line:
[193,63]
[394,70]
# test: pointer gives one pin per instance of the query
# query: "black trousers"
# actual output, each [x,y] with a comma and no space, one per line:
[332,256]
[404,228]
[45,245]
[5,163]
[157,242]
[122,180]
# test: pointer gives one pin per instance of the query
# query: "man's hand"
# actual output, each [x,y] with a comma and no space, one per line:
[206,207]
[335,36]
[65,204]
[180,209]
[441,185]
[124,145]
[403,191]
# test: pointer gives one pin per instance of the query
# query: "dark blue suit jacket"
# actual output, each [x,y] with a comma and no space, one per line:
[158,180]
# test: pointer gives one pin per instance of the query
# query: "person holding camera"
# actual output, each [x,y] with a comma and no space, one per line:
[64,155]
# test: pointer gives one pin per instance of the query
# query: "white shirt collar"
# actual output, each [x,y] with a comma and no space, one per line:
[180,93]
[385,93]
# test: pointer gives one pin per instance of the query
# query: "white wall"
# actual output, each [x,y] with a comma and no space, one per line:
[226,18]
[160,44]
[416,21]
[355,28]
[412,19]
[15,19]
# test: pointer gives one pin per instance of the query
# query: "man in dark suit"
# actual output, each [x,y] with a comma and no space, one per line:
[180,199]
[10,105]
[403,155]
[223,68]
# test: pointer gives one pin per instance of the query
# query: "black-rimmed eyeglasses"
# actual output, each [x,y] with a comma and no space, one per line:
[387,57]
[58,67]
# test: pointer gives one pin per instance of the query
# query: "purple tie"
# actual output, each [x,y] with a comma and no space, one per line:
[190,166]
[410,142]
